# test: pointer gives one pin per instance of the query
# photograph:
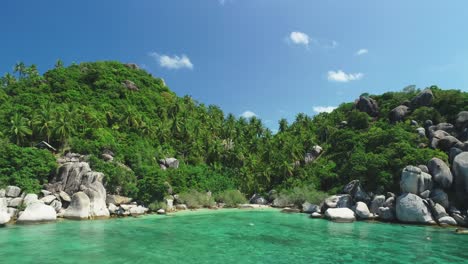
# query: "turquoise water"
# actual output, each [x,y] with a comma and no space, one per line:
[229,236]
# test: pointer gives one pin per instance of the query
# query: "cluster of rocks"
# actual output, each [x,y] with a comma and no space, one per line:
[75,192]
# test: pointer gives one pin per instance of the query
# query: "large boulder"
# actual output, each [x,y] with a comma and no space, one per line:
[446,143]
[96,192]
[354,188]
[79,207]
[446,127]
[438,211]
[413,180]
[377,202]
[69,177]
[435,136]
[367,105]
[15,202]
[460,173]
[447,220]
[138,210]
[341,215]
[48,199]
[462,120]
[64,196]
[398,113]
[410,208]
[30,198]
[37,212]
[439,196]
[421,131]
[130,85]
[453,153]
[362,211]
[117,199]
[4,215]
[440,172]
[12,191]
[257,199]
[422,99]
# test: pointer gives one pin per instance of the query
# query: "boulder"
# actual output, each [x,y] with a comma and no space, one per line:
[15,202]
[424,168]
[57,205]
[169,204]
[257,199]
[280,202]
[48,199]
[341,215]
[37,212]
[316,215]
[438,211]
[309,208]
[112,208]
[462,120]
[367,105]
[435,136]
[138,210]
[45,193]
[65,197]
[169,163]
[377,202]
[107,157]
[2,193]
[414,123]
[161,211]
[30,198]
[446,143]
[399,113]
[12,191]
[421,131]
[339,201]
[4,217]
[386,214]
[422,99]
[13,212]
[96,192]
[460,173]
[440,172]
[362,211]
[354,188]
[447,127]
[117,199]
[410,208]
[413,180]
[390,202]
[453,153]
[132,66]
[447,220]
[460,219]
[130,85]
[439,196]
[79,207]
[425,194]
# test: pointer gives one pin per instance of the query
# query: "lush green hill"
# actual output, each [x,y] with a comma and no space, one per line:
[94,107]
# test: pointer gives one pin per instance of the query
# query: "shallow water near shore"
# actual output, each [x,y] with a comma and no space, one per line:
[229,236]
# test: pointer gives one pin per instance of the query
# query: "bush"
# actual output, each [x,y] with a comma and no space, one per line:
[231,198]
[155,206]
[194,199]
[299,195]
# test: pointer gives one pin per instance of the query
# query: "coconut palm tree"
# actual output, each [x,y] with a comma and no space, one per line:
[19,128]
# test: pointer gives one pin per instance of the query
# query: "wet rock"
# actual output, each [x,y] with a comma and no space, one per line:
[447,220]
[309,208]
[362,211]
[341,215]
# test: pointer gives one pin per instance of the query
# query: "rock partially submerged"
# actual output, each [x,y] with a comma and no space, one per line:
[37,212]
[340,215]
[410,208]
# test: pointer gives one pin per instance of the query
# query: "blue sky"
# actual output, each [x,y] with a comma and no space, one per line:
[270,58]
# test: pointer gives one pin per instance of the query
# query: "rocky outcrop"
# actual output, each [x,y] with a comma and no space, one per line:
[341,215]
[386,214]
[439,196]
[339,201]
[130,85]
[398,113]
[356,191]
[413,180]
[257,199]
[367,105]
[362,211]
[138,210]
[410,208]
[462,120]
[309,208]
[440,172]
[422,99]
[313,155]
[377,202]
[37,212]
[4,215]
[79,207]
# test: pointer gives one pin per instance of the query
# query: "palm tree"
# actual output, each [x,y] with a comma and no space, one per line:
[8,79]
[283,125]
[20,128]
[59,64]
[20,68]
[44,121]
[63,127]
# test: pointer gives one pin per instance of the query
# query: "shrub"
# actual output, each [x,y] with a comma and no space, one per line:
[231,198]
[299,195]
[195,199]
[155,206]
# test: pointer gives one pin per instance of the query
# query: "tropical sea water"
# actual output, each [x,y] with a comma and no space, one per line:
[229,236]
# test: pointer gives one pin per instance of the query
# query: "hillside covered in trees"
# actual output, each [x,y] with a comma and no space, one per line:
[109,107]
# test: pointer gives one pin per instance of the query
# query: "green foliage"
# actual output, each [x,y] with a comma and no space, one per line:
[358,120]
[195,199]
[426,113]
[155,206]
[28,168]
[231,198]
[298,195]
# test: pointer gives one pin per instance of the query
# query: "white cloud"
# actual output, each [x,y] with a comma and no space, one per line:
[248,114]
[175,62]
[341,76]
[361,52]
[299,38]
[321,109]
